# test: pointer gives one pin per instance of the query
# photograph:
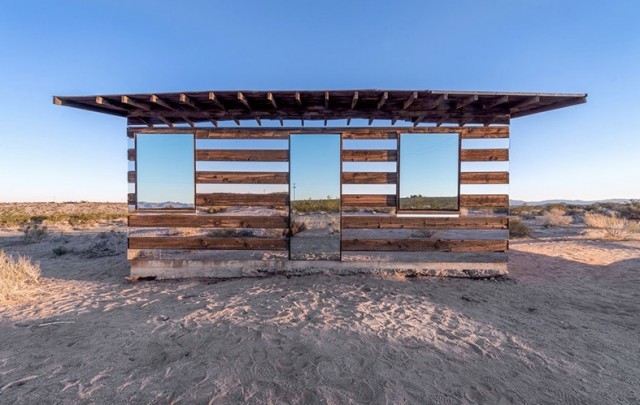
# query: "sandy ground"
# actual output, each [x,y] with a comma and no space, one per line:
[562,329]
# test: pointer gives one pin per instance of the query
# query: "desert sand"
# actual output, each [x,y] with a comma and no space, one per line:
[562,328]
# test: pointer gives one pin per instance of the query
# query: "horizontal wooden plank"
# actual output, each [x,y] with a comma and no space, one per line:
[425,257]
[230,199]
[484,155]
[131,176]
[242,177]
[243,155]
[369,178]
[394,222]
[131,154]
[207,221]
[369,135]
[368,200]
[424,245]
[484,200]
[242,134]
[207,243]
[484,132]
[484,178]
[369,155]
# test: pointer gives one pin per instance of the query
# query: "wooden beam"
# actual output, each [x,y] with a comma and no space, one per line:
[369,178]
[237,121]
[394,120]
[214,122]
[436,102]
[214,99]
[417,120]
[191,123]
[259,121]
[496,102]
[281,121]
[354,100]
[368,200]
[465,102]
[326,99]
[441,120]
[166,122]
[272,100]
[243,100]
[231,199]
[242,155]
[157,100]
[145,121]
[348,121]
[484,200]
[524,103]
[410,100]
[298,98]
[394,222]
[242,178]
[369,155]
[302,121]
[383,99]
[484,155]
[206,221]
[106,103]
[484,178]
[166,242]
[186,100]
[425,245]
[128,101]
[370,121]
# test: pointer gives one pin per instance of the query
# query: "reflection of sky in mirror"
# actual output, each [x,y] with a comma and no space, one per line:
[315,166]
[165,168]
[429,165]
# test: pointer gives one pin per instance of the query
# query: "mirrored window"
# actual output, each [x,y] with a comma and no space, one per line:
[165,171]
[429,171]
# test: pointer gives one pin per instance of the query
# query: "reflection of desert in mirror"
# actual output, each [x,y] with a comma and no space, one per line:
[315,197]
[428,172]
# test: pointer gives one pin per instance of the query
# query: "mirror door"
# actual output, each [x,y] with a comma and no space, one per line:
[315,197]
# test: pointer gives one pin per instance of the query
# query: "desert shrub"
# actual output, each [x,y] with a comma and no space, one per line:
[555,217]
[100,248]
[517,229]
[16,275]
[630,210]
[33,231]
[614,226]
[296,227]
[60,251]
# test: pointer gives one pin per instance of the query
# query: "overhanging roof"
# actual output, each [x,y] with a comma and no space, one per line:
[414,106]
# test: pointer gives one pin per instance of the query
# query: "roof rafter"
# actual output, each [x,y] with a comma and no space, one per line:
[410,100]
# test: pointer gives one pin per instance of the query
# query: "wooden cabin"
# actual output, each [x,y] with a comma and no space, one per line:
[246,183]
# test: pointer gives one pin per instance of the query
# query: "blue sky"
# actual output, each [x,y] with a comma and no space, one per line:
[315,166]
[77,47]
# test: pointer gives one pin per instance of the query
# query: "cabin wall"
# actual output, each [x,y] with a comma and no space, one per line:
[252,237]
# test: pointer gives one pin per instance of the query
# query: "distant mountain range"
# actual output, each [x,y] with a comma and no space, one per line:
[570,202]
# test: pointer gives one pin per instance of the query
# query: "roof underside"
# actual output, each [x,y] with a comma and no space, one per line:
[415,107]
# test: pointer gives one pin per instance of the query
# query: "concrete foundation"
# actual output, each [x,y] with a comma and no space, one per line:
[181,268]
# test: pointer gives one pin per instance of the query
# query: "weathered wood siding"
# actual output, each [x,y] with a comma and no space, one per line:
[368,216]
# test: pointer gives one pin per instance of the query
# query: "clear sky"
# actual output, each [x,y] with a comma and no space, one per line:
[77,47]
[315,166]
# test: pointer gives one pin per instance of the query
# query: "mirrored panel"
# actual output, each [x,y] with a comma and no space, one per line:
[315,197]
[165,171]
[429,172]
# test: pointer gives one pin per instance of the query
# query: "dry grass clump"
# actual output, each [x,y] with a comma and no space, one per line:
[297,227]
[17,275]
[517,229]
[555,217]
[614,226]
[33,231]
